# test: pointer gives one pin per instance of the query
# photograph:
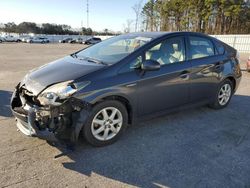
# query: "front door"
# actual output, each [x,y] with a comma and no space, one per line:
[169,86]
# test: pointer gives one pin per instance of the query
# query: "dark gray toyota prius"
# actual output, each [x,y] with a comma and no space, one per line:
[102,89]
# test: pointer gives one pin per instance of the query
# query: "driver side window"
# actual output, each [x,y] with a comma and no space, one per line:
[167,52]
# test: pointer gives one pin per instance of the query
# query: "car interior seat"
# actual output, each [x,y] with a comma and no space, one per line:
[199,51]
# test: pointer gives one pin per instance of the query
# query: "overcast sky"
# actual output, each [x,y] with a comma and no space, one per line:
[110,14]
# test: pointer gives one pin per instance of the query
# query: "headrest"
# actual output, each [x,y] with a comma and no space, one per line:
[167,47]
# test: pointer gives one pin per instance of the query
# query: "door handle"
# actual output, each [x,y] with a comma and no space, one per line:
[218,65]
[184,75]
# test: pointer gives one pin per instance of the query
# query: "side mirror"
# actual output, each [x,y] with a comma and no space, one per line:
[150,65]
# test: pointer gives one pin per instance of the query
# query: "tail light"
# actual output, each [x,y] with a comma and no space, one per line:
[237,61]
[237,55]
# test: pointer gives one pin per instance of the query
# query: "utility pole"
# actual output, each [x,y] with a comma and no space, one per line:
[87,13]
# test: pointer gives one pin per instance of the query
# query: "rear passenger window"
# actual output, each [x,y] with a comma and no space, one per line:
[200,47]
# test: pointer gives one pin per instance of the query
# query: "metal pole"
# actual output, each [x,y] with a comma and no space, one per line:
[234,41]
[87,13]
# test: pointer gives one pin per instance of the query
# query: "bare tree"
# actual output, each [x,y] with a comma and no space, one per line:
[127,26]
[137,9]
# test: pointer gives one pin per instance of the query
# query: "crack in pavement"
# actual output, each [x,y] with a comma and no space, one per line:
[24,149]
[243,137]
[18,182]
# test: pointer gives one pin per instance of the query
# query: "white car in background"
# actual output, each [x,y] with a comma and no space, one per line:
[25,38]
[41,40]
[10,38]
[1,39]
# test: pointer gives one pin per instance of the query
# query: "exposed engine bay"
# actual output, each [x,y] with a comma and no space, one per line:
[65,119]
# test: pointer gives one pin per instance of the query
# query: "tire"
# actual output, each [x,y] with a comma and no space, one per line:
[97,114]
[218,101]
[1,41]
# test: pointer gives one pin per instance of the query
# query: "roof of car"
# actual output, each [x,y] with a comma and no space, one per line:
[160,34]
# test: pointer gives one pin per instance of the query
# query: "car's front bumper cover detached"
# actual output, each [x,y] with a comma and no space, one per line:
[65,121]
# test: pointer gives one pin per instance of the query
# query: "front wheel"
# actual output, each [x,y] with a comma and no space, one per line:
[106,123]
[224,94]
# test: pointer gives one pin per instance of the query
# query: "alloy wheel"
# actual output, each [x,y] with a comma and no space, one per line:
[224,94]
[107,123]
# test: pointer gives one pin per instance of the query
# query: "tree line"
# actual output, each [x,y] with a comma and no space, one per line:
[30,27]
[47,28]
[207,16]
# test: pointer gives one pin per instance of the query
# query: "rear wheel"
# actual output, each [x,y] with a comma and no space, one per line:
[106,123]
[224,94]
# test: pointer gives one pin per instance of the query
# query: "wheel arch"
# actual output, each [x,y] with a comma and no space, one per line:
[233,80]
[126,102]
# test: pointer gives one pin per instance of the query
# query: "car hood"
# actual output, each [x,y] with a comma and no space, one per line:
[61,70]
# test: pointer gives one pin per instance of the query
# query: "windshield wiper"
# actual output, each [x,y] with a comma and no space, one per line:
[95,61]
[73,55]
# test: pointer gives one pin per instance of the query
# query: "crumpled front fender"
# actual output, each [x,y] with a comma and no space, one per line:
[79,120]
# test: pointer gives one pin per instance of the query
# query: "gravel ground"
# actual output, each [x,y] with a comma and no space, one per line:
[194,148]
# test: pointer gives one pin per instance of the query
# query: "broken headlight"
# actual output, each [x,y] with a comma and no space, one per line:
[55,94]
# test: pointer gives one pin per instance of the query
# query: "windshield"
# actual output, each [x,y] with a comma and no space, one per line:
[114,49]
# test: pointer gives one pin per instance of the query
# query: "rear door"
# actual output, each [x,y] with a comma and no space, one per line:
[206,67]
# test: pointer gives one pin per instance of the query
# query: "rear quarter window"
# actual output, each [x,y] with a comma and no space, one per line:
[220,47]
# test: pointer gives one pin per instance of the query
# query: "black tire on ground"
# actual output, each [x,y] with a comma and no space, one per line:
[216,104]
[87,133]
[1,41]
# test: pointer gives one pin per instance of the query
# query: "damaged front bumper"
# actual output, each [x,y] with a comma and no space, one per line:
[64,121]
